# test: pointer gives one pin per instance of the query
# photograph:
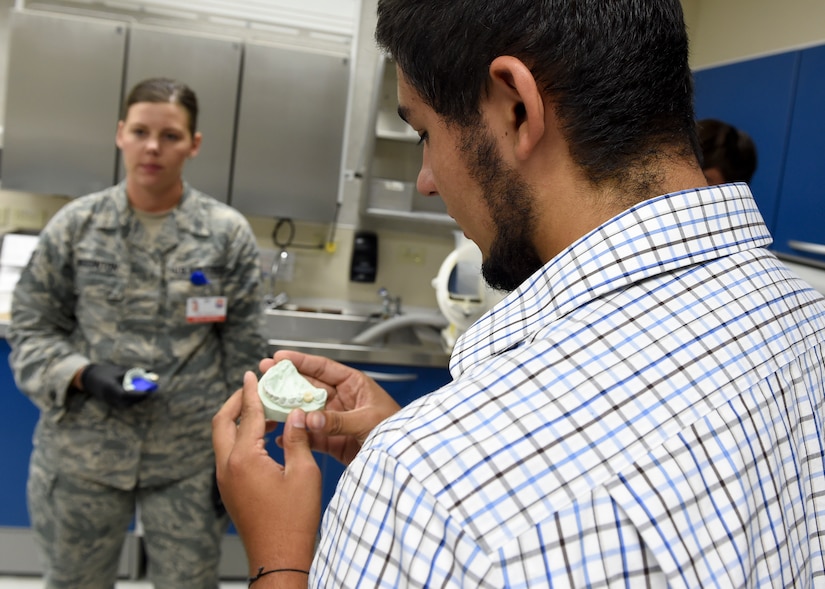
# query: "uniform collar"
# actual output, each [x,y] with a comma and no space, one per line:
[189,216]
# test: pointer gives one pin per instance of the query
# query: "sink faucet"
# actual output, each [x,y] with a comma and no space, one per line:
[390,306]
[272,300]
[277,301]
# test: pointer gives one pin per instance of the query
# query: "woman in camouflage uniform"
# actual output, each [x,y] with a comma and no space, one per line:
[149,273]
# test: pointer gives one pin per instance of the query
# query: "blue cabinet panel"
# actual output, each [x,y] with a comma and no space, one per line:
[18,417]
[757,97]
[801,215]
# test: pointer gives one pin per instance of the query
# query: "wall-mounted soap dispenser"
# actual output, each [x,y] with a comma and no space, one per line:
[364,264]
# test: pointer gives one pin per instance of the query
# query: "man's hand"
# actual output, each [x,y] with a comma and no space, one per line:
[356,404]
[105,382]
[275,508]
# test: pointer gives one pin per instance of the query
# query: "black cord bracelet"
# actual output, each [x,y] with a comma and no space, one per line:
[263,573]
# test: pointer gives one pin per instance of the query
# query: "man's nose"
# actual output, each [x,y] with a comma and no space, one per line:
[425,184]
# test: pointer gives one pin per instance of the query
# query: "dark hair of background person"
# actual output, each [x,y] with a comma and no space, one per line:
[621,84]
[164,90]
[728,149]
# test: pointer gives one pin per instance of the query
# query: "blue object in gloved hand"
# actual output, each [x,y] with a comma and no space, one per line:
[106,382]
[137,379]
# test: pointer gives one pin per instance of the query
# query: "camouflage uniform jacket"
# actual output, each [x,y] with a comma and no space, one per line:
[98,289]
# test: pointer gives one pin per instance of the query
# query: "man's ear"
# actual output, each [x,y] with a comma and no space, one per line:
[196,144]
[516,92]
[119,134]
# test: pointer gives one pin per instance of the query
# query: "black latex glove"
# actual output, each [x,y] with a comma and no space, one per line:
[105,382]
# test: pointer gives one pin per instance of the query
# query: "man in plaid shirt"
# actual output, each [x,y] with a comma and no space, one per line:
[644,409]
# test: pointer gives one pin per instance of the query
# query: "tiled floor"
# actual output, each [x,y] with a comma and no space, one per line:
[36,583]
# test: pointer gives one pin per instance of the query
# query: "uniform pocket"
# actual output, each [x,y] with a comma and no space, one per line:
[99,294]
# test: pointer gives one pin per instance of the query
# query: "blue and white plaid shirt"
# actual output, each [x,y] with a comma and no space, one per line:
[646,410]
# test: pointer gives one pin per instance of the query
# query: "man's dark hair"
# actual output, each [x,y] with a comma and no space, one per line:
[617,70]
[164,90]
[728,149]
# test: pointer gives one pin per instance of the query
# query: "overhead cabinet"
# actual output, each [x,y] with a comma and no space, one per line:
[272,116]
[290,132]
[62,101]
[211,66]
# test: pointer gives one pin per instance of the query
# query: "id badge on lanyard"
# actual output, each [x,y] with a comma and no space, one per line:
[204,309]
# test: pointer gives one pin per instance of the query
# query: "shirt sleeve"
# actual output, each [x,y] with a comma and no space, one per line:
[43,359]
[384,529]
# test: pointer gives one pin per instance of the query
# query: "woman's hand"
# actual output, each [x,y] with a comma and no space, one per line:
[275,508]
[356,404]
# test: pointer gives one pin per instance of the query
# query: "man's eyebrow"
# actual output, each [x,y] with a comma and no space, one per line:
[404,113]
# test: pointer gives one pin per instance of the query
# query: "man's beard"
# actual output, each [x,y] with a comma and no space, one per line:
[513,257]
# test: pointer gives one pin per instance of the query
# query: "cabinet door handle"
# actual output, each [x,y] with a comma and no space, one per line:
[391,376]
[807,247]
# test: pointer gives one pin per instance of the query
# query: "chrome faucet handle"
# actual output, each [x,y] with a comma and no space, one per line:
[386,302]
[273,302]
[390,305]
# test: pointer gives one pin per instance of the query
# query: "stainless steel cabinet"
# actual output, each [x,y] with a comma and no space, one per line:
[62,101]
[290,132]
[272,115]
[211,66]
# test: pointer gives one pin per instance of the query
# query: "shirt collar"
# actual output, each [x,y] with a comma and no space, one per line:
[189,215]
[656,236]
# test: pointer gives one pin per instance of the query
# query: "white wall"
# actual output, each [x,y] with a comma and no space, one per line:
[691,11]
[723,31]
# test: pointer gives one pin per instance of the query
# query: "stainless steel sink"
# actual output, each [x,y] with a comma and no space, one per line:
[315,326]
[335,334]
